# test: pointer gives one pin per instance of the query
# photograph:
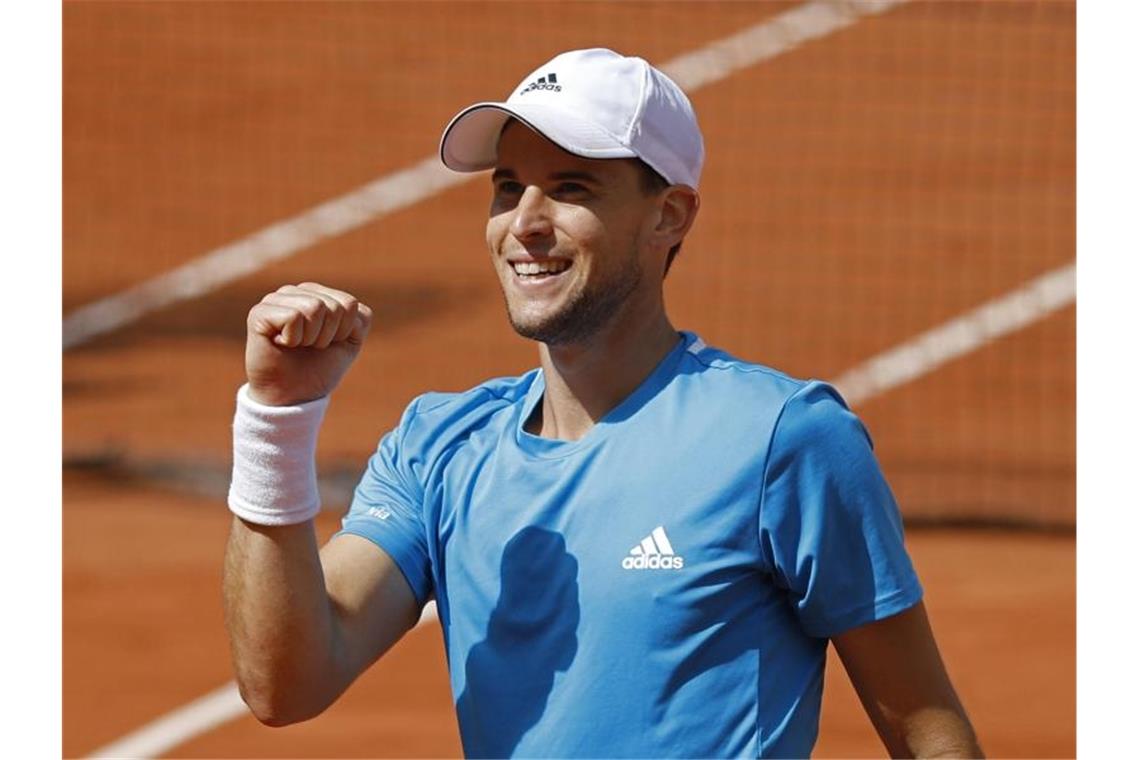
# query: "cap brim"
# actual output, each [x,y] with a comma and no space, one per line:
[470,142]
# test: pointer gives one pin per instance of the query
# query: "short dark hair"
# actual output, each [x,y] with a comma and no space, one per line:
[651,183]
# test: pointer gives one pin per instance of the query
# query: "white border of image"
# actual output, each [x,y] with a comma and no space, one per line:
[1107,322]
[30,54]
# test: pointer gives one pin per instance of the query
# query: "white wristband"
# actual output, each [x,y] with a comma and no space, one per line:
[275,474]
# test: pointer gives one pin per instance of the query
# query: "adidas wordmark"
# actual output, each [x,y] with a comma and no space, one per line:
[654,553]
[548,82]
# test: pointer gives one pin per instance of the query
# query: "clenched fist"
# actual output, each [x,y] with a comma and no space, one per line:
[300,340]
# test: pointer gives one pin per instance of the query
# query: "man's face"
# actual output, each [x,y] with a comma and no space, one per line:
[565,234]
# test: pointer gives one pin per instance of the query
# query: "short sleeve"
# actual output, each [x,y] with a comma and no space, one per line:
[387,509]
[830,530]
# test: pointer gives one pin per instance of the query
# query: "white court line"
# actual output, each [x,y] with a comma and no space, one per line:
[203,714]
[924,353]
[222,266]
[428,178]
[198,717]
[768,39]
[425,179]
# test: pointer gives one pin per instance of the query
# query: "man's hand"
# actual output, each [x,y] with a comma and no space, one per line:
[300,340]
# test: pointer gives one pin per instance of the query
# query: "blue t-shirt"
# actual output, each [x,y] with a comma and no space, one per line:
[663,587]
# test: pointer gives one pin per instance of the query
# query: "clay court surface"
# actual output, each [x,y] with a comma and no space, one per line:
[860,188]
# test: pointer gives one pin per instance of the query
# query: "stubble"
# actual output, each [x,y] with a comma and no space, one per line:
[587,312]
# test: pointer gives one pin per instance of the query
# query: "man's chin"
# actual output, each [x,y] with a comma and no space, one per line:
[542,330]
[559,328]
[574,319]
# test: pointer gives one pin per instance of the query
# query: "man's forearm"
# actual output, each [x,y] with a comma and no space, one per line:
[941,733]
[898,673]
[281,628]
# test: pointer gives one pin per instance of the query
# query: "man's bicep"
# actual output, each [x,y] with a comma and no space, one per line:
[896,669]
[371,599]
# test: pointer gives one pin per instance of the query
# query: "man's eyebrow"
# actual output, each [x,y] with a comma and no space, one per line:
[578,176]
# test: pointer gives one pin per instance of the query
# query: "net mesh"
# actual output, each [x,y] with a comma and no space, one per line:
[861,188]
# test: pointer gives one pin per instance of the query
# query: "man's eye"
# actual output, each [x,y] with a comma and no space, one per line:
[510,188]
[570,188]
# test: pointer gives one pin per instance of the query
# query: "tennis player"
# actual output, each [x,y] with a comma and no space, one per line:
[640,548]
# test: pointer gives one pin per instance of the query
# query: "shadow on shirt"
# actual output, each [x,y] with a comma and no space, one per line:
[532,634]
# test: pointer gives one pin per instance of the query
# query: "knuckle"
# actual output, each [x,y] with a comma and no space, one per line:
[312,309]
[256,315]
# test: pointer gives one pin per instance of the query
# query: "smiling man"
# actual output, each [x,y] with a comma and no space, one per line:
[640,548]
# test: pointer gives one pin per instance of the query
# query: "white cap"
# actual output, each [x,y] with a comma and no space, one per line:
[595,104]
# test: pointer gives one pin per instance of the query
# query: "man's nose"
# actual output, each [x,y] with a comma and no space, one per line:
[532,219]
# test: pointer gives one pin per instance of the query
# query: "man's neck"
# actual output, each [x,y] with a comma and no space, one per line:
[584,381]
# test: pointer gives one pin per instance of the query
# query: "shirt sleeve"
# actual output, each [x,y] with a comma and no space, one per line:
[830,530]
[387,509]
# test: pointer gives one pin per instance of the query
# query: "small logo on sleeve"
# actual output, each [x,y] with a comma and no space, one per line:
[381,512]
[655,552]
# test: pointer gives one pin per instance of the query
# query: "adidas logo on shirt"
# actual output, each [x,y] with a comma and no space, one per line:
[548,82]
[653,553]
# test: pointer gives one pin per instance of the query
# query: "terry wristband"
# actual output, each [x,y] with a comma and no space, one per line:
[275,475]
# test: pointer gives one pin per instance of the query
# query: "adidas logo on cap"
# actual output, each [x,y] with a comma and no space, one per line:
[654,553]
[548,82]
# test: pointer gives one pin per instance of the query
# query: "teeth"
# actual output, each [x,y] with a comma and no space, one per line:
[541,267]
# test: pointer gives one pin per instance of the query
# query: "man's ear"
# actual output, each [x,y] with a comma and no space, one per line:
[679,206]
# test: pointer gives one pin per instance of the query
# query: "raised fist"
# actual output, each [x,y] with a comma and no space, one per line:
[300,340]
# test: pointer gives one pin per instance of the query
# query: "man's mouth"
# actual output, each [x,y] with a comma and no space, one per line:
[537,270]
